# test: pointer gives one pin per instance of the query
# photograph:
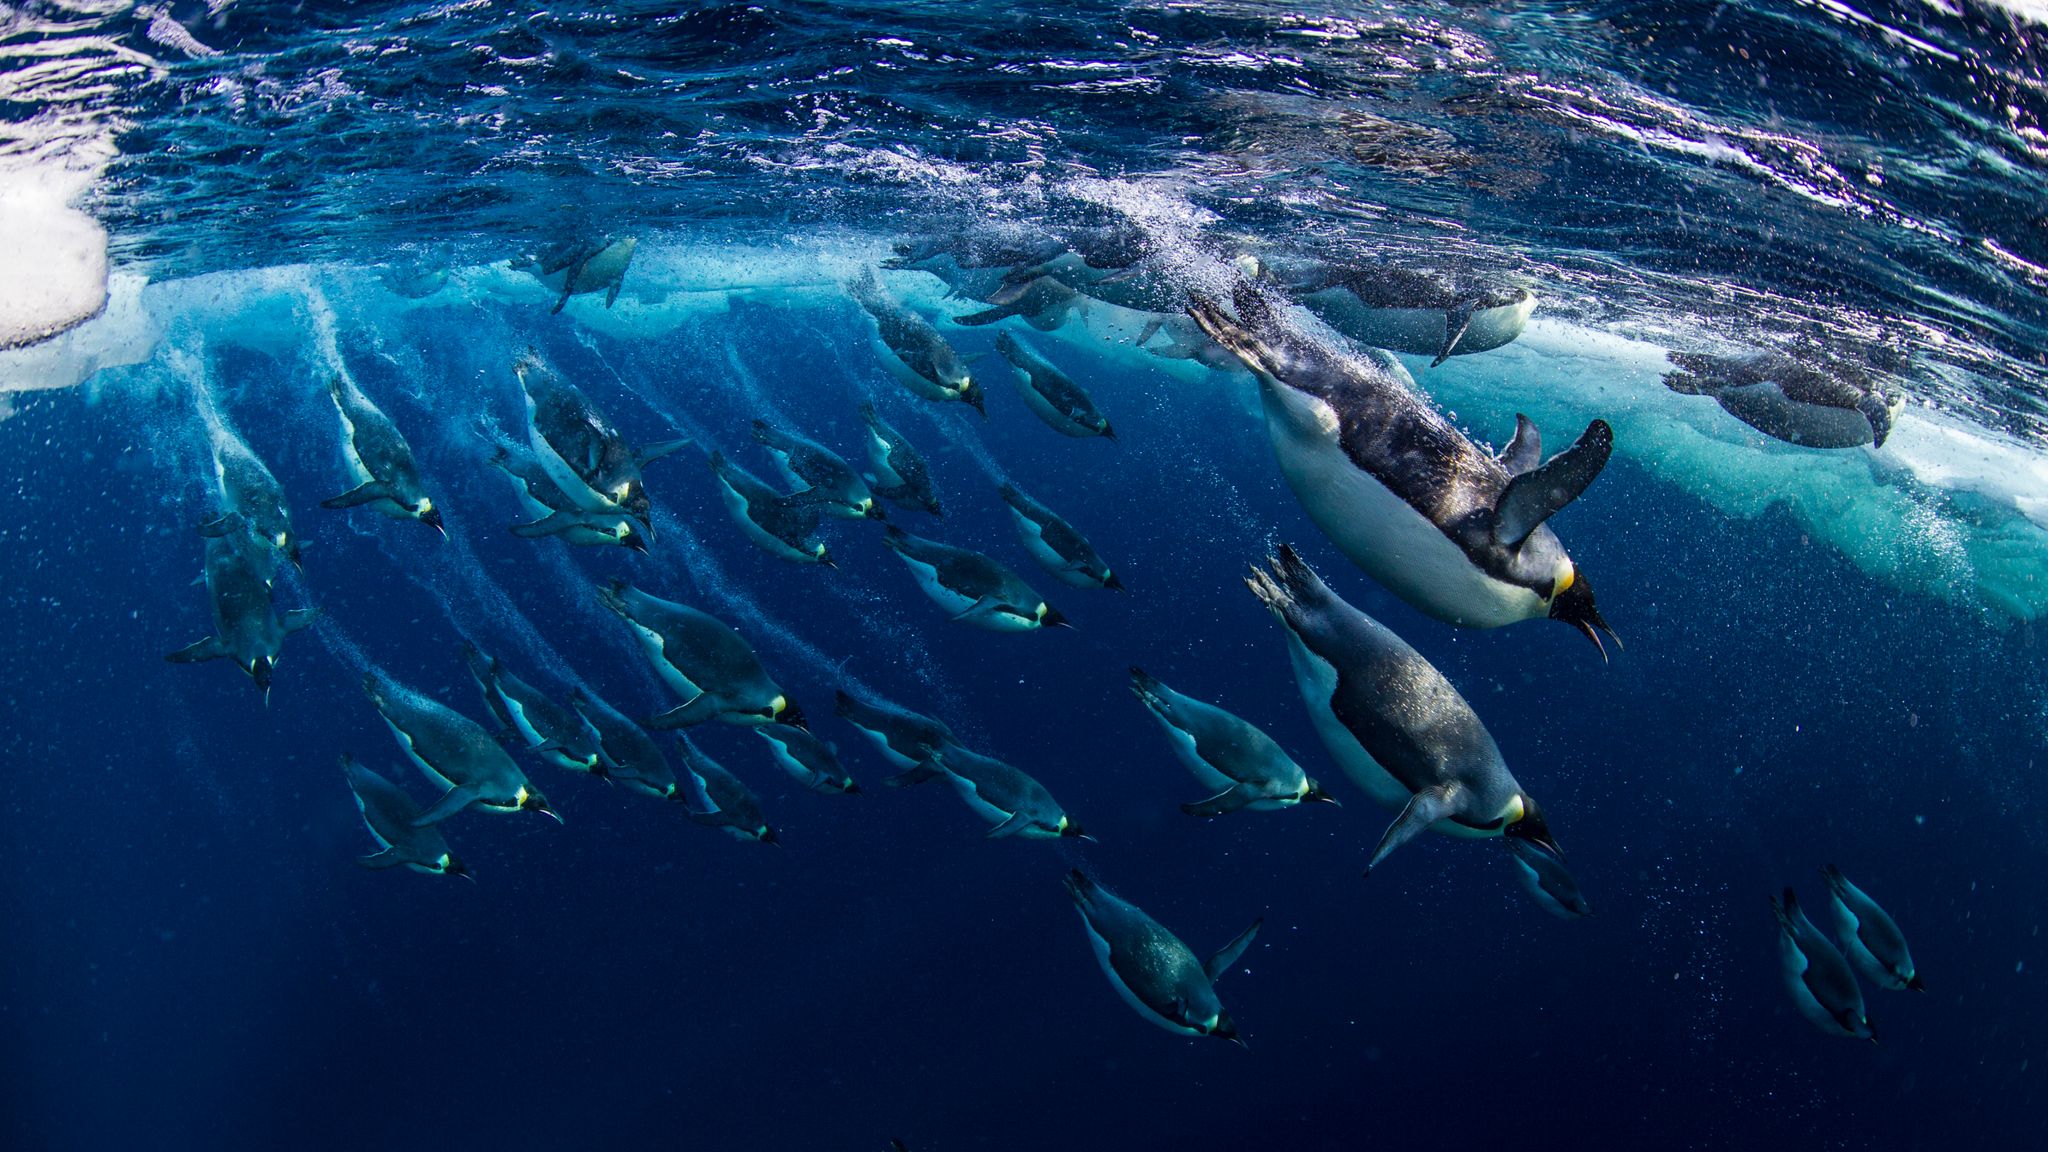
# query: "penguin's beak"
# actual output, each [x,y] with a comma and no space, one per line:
[432,519]
[792,716]
[1575,607]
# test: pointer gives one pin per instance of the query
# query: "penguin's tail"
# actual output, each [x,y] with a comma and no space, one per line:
[1079,886]
[1285,581]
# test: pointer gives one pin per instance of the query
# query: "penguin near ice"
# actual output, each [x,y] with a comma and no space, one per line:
[390,815]
[1042,301]
[1013,802]
[554,514]
[631,758]
[1870,938]
[1151,969]
[1420,311]
[582,266]
[702,660]
[1246,769]
[1547,880]
[783,526]
[1392,721]
[251,499]
[584,452]
[1057,547]
[455,753]
[549,729]
[728,804]
[828,480]
[1051,394]
[913,351]
[972,588]
[905,739]
[246,626]
[1822,986]
[810,761]
[1838,405]
[1437,520]
[901,474]
[386,475]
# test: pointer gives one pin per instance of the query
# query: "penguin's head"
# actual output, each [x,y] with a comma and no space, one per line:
[1223,1028]
[766,835]
[530,800]
[823,556]
[1071,828]
[783,710]
[631,537]
[1050,617]
[1312,793]
[632,496]
[450,864]
[1572,602]
[289,545]
[1112,581]
[429,515]
[1525,822]
[872,509]
[971,393]
[259,670]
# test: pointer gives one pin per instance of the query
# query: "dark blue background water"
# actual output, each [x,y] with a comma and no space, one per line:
[192,960]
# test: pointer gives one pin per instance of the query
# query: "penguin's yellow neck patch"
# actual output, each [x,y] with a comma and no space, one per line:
[1515,810]
[521,795]
[778,704]
[1565,582]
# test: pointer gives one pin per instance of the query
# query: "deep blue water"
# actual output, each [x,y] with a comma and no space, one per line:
[189,957]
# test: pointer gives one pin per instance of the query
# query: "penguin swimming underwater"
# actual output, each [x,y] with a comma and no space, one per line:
[246,626]
[1547,880]
[1391,720]
[1057,547]
[387,477]
[972,588]
[828,479]
[580,267]
[702,660]
[1822,987]
[583,452]
[1793,401]
[1870,939]
[905,739]
[913,350]
[455,752]
[630,756]
[554,513]
[557,733]
[1434,518]
[812,762]
[729,804]
[1423,312]
[1052,396]
[1248,770]
[390,814]
[780,525]
[901,474]
[1014,803]
[1151,969]
[251,499]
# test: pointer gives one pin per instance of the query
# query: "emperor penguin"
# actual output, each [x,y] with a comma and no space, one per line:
[1042,301]
[727,803]
[1822,986]
[1547,880]
[1051,395]
[246,626]
[913,351]
[702,660]
[580,267]
[251,499]
[972,588]
[1246,768]
[387,477]
[811,762]
[557,733]
[630,756]
[554,514]
[901,473]
[782,526]
[1013,803]
[1392,721]
[1870,939]
[905,739]
[390,814]
[1151,969]
[583,452]
[828,480]
[1440,522]
[1057,547]
[1838,406]
[455,753]
[1420,311]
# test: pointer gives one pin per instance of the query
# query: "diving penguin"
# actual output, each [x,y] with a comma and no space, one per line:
[1392,721]
[390,814]
[1547,880]
[1822,987]
[1245,767]
[1870,939]
[905,739]
[1151,969]
[901,474]
[455,752]
[251,499]
[1014,803]
[702,660]
[583,452]
[1043,301]
[830,481]
[557,733]
[1051,395]
[913,350]
[728,803]
[1057,547]
[554,514]
[387,477]
[812,762]
[246,626]
[972,588]
[1423,510]
[580,267]
[1781,396]
[782,526]
[630,756]
[1420,311]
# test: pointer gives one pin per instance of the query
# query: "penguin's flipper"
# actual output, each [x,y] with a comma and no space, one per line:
[1424,808]
[979,610]
[611,295]
[1215,966]
[1229,800]
[451,802]
[917,775]
[706,819]
[1875,410]
[1017,822]
[697,711]
[1457,318]
[546,526]
[1525,451]
[362,494]
[199,652]
[1538,494]
[220,526]
[299,619]
[388,858]
[656,451]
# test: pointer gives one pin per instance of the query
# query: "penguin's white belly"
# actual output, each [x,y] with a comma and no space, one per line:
[1184,749]
[1043,409]
[798,771]
[972,795]
[955,602]
[905,374]
[1318,680]
[606,266]
[520,720]
[1379,531]
[1795,963]
[412,754]
[1028,532]
[738,505]
[1123,990]
[1766,408]
[573,486]
[878,455]
[657,655]
[888,750]
[1418,331]
[1492,327]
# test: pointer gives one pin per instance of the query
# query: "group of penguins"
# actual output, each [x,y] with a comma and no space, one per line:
[1456,530]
